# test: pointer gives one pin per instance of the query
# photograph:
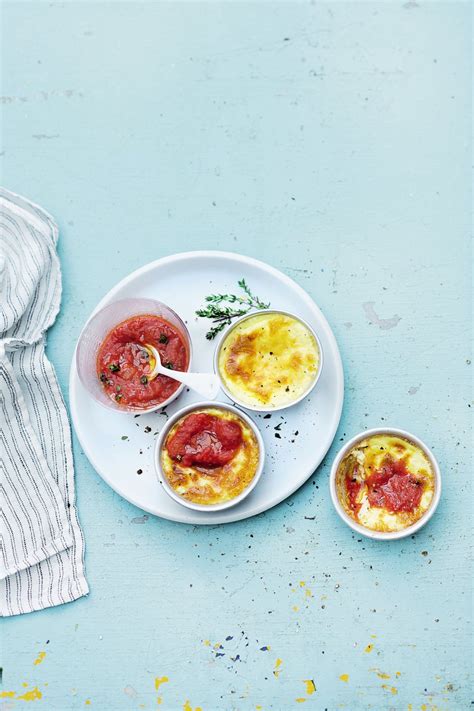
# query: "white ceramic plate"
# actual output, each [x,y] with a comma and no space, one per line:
[119,445]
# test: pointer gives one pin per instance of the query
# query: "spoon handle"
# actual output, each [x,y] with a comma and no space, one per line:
[206,384]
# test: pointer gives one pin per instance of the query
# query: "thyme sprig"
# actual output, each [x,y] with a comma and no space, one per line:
[221,314]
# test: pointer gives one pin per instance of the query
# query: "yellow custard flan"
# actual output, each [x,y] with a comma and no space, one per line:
[210,456]
[385,482]
[269,360]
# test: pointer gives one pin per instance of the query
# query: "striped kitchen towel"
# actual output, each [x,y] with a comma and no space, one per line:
[42,547]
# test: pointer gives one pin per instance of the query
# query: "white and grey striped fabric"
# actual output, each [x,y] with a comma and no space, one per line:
[42,547]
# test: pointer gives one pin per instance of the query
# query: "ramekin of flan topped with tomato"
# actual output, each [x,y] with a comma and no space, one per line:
[209,456]
[268,360]
[119,348]
[385,483]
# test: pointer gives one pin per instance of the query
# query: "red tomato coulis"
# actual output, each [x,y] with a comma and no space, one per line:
[353,487]
[392,487]
[205,440]
[123,364]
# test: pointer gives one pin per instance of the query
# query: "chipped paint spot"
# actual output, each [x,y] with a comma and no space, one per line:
[344,678]
[187,707]
[380,674]
[159,680]
[39,658]
[392,689]
[383,323]
[398,674]
[277,670]
[310,686]
[130,692]
[413,390]
[32,695]
[140,519]
[369,648]
[42,96]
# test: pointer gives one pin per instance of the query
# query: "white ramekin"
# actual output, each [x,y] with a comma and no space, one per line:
[262,408]
[380,535]
[164,433]
[98,327]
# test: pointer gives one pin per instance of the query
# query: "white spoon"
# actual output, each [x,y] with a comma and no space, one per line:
[206,384]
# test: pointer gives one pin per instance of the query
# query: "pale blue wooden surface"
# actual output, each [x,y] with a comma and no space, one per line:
[331,140]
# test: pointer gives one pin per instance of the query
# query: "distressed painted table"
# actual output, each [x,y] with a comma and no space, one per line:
[331,140]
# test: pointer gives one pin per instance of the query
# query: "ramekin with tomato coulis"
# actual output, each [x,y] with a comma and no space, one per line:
[118,350]
[385,483]
[209,456]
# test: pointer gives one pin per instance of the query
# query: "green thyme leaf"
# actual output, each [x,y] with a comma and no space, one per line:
[221,313]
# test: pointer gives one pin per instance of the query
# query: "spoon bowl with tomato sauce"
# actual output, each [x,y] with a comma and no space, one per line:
[117,351]
[209,456]
[385,483]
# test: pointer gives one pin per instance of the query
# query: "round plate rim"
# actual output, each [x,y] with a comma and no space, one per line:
[187,517]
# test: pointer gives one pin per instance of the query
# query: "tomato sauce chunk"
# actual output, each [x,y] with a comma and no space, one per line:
[124,365]
[393,487]
[353,487]
[205,440]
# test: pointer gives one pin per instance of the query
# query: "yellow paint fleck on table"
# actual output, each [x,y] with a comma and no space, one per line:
[87,702]
[310,686]
[159,680]
[32,695]
[392,689]
[369,648]
[7,694]
[302,583]
[39,658]
[295,608]
[277,670]
[300,700]
[344,677]
[308,593]
[187,707]
[207,643]
[398,674]
[380,674]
